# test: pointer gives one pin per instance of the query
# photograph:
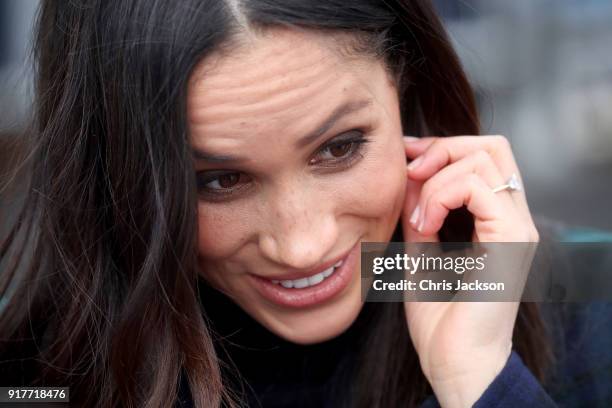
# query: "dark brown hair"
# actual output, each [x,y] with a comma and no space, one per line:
[98,287]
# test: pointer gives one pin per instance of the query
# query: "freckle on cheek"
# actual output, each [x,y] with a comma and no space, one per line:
[383,193]
[210,243]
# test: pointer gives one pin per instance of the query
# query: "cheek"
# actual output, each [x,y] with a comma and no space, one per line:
[374,189]
[234,225]
[378,187]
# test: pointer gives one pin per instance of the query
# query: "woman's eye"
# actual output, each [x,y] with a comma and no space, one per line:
[341,151]
[225,181]
[221,183]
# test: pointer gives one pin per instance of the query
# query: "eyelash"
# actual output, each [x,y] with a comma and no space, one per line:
[356,139]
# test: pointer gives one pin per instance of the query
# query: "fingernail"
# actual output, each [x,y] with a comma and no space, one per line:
[415,215]
[420,228]
[411,139]
[415,163]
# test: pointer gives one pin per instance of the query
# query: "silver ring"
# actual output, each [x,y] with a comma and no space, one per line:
[512,184]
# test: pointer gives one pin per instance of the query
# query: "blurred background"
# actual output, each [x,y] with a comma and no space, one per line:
[543,73]
[542,70]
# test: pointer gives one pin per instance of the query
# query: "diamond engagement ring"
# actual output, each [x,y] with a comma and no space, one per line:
[512,184]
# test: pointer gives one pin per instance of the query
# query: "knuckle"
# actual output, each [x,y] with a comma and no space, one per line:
[436,197]
[428,187]
[438,141]
[482,157]
[438,145]
[501,141]
[473,180]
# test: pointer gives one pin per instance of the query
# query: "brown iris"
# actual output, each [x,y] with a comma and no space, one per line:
[228,180]
[340,150]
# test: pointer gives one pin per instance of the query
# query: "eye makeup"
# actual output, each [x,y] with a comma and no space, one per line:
[337,154]
[349,144]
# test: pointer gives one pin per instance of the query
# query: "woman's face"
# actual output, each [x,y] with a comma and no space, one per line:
[299,158]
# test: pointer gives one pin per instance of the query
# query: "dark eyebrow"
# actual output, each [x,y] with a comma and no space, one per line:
[216,158]
[339,112]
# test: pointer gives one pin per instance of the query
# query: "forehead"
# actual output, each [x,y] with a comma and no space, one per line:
[279,82]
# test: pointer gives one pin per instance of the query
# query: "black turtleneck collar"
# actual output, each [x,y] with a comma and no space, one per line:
[276,372]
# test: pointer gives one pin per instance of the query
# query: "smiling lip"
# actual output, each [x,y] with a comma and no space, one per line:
[314,271]
[311,295]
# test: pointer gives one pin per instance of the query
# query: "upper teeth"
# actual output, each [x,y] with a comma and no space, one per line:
[309,280]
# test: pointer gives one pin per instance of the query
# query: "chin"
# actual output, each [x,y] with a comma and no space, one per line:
[313,325]
[317,326]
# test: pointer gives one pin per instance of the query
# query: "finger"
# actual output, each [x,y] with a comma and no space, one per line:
[418,144]
[473,192]
[478,162]
[445,150]
[413,192]
[415,146]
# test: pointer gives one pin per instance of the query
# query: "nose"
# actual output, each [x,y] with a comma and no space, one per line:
[301,231]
